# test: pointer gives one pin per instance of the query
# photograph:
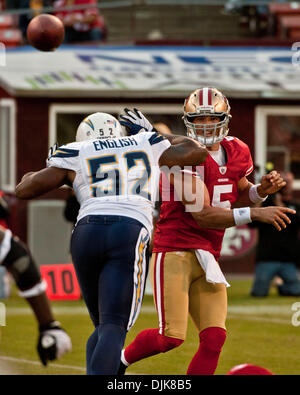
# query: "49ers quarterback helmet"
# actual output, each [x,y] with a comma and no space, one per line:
[99,126]
[205,102]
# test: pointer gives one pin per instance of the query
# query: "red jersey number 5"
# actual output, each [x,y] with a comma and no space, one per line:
[218,191]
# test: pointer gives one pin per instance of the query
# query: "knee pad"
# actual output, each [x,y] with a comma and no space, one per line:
[21,265]
[213,338]
[168,343]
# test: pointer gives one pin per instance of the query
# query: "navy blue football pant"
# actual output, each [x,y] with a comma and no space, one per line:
[110,256]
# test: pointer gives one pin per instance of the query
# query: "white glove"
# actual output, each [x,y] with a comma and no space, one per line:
[135,122]
[53,343]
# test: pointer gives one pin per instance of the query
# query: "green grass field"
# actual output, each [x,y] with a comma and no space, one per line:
[259,332]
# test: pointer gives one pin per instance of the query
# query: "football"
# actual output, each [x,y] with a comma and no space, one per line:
[45,32]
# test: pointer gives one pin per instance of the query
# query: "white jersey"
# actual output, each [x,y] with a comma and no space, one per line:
[117,176]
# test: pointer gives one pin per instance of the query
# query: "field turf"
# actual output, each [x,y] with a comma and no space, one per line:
[260,332]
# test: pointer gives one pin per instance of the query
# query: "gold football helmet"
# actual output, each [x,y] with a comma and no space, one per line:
[205,102]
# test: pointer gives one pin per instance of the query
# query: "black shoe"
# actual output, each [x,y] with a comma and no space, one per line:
[122,369]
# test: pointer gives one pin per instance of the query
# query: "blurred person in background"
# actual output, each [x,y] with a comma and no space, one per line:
[16,258]
[33,7]
[81,25]
[53,341]
[278,253]
[253,17]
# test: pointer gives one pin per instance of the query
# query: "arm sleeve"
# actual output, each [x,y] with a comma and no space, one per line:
[158,143]
[66,157]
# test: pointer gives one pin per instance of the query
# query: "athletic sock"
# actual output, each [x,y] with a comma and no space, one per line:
[90,347]
[105,359]
[147,343]
[206,359]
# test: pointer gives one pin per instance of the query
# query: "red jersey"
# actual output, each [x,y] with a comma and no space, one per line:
[177,230]
[80,26]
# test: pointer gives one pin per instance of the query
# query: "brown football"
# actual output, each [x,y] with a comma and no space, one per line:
[45,32]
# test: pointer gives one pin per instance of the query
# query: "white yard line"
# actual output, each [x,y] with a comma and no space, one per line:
[286,321]
[36,363]
[238,309]
[9,370]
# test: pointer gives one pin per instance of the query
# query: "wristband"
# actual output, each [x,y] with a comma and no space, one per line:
[242,216]
[36,290]
[50,326]
[254,196]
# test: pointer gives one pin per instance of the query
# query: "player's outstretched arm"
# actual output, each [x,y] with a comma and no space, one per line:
[35,184]
[53,341]
[220,218]
[193,193]
[184,151]
[187,152]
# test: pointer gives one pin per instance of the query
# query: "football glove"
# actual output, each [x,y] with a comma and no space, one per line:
[135,122]
[53,342]
[51,152]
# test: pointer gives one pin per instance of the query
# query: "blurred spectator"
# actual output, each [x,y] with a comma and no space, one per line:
[278,253]
[33,7]
[253,17]
[232,6]
[81,25]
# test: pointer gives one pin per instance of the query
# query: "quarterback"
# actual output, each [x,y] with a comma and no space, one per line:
[186,278]
[115,179]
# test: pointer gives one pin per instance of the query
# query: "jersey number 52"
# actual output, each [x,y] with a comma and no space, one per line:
[114,177]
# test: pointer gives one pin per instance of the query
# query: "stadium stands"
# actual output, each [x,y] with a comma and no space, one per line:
[284,20]
[173,22]
[290,26]
[188,22]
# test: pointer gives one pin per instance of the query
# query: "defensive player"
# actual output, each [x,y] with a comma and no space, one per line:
[184,273]
[115,179]
[53,341]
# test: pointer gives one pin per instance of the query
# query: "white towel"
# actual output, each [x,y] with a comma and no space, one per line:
[211,267]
